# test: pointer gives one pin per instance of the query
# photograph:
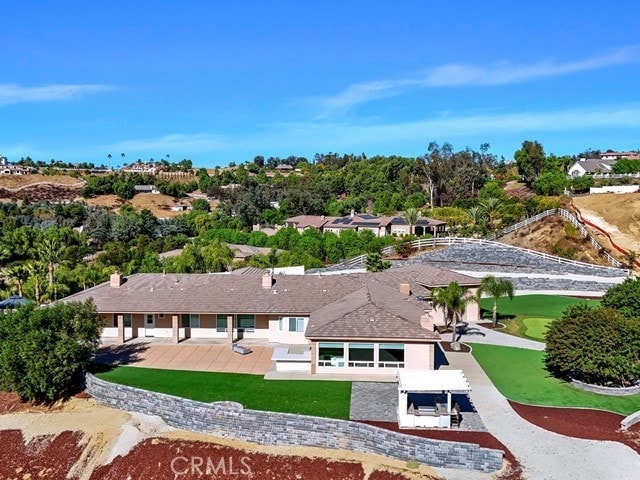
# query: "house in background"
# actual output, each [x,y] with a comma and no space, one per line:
[380,226]
[146,189]
[590,166]
[357,323]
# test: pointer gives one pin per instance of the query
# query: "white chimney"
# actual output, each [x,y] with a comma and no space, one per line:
[353,212]
[267,280]
[115,280]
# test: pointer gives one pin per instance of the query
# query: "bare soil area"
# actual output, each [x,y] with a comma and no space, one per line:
[83,440]
[549,235]
[158,204]
[518,189]
[617,213]
[18,181]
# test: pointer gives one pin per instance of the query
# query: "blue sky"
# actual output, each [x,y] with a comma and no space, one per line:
[224,81]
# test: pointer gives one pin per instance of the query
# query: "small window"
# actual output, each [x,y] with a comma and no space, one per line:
[246,323]
[191,320]
[127,319]
[296,324]
[221,323]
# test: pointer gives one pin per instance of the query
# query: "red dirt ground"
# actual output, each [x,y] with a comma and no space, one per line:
[43,457]
[484,439]
[580,423]
[153,459]
[11,403]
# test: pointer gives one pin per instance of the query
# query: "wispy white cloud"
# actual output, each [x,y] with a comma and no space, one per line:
[11,94]
[177,142]
[457,75]
[315,136]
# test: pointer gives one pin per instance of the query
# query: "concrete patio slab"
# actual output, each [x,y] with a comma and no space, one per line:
[196,357]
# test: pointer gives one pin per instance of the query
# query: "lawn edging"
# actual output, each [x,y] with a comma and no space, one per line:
[287,429]
[613,391]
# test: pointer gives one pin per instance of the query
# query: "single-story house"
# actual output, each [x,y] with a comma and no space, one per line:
[590,166]
[146,189]
[380,226]
[352,323]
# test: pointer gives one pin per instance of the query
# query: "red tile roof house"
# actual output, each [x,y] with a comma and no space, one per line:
[358,323]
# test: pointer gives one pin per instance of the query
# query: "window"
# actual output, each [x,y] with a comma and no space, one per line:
[221,323]
[330,354]
[191,320]
[127,319]
[246,323]
[361,355]
[391,355]
[295,324]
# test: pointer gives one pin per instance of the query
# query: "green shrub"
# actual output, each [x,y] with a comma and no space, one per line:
[595,345]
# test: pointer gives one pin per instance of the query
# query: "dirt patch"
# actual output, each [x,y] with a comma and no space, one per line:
[46,456]
[114,444]
[512,471]
[162,458]
[42,191]
[580,423]
[518,189]
[158,204]
[617,213]
[491,326]
[18,181]
[11,403]
[464,348]
[555,236]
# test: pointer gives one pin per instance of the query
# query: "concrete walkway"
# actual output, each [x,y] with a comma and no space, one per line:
[544,455]
[479,334]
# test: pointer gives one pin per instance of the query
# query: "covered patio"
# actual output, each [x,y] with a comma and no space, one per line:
[425,398]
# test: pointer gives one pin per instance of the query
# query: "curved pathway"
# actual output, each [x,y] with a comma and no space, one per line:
[479,334]
[543,454]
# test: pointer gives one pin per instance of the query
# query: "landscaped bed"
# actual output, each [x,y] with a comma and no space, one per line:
[305,397]
[520,375]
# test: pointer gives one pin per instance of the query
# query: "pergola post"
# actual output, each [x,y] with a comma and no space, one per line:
[448,401]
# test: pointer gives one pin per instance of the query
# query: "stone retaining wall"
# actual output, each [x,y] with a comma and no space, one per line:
[616,392]
[231,420]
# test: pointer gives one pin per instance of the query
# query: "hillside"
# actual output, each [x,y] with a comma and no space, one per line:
[39,187]
[555,236]
[616,213]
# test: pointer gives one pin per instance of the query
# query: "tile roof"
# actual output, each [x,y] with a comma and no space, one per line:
[373,311]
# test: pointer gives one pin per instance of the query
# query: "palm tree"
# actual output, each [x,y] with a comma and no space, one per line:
[411,215]
[495,288]
[35,269]
[17,274]
[4,253]
[476,214]
[491,206]
[453,300]
[49,250]
[375,263]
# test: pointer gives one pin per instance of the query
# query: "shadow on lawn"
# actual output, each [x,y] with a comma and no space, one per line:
[488,314]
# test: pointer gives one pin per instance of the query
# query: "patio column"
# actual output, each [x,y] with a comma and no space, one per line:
[314,359]
[175,329]
[230,328]
[448,401]
[120,319]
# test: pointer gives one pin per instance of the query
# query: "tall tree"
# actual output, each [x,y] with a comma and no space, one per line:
[495,288]
[48,250]
[530,160]
[411,216]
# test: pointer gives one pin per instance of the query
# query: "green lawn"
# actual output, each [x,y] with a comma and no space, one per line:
[514,313]
[520,375]
[305,397]
[533,305]
[536,327]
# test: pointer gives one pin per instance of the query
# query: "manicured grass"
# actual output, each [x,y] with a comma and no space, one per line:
[305,397]
[534,305]
[514,313]
[536,327]
[520,375]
